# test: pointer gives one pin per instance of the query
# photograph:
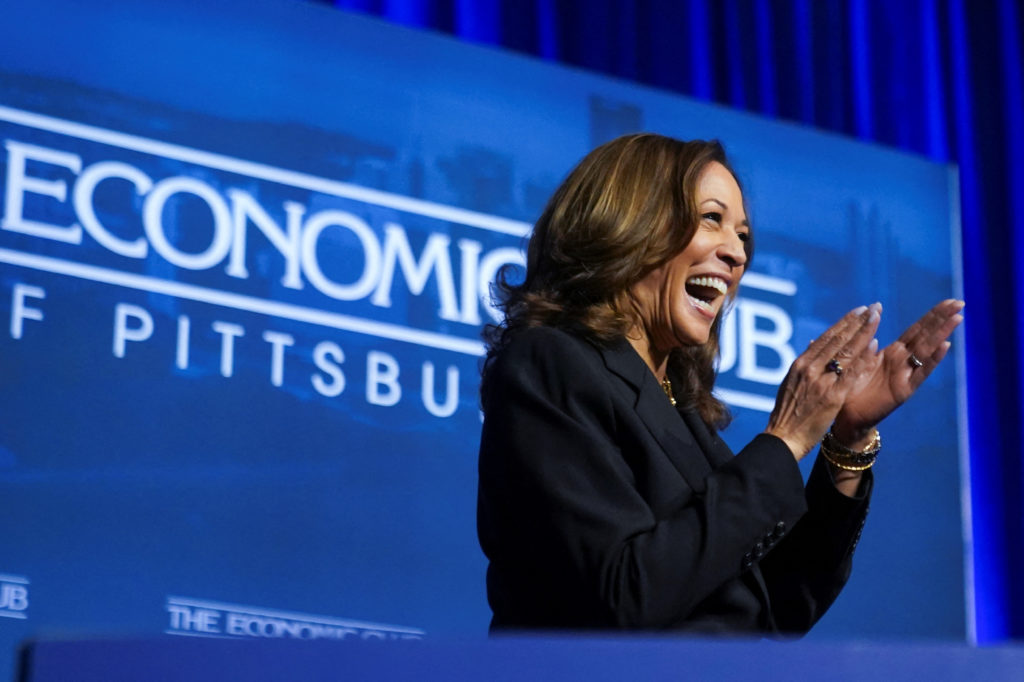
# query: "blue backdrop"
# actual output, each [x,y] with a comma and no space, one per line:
[243,267]
[944,78]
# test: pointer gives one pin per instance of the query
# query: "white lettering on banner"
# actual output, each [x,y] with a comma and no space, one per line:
[13,596]
[185,619]
[328,357]
[245,210]
[435,259]
[140,330]
[231,229]
[152,220]
[451,400]
[752,336]
[277,341]
[776,339]
[83,193]
[382,379]
[371,255]
[19,184]
[228,333]
[21,312]
[231,214]
[181,347]
[743,344]
[216,619]
[133,324]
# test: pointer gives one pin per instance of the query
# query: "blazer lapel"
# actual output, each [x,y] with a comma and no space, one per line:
[673,434]
[680,438]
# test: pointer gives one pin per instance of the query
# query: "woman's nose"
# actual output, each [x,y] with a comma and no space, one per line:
[733,250]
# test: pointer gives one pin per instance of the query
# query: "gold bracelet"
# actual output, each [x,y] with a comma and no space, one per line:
[847,467]
[834,446]
[851,460]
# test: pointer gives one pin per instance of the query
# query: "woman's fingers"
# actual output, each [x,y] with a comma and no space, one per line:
[865,365]
[939,353]
[924,344]
[899,370]
[934,327]
[839,330]
[819,380]
[846,341]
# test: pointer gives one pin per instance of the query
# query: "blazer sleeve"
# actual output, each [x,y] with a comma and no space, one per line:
[571,540]
[806,570]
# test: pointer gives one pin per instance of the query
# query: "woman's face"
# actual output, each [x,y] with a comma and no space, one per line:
[679,301]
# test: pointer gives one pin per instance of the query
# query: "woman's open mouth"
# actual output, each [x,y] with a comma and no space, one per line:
[702,291]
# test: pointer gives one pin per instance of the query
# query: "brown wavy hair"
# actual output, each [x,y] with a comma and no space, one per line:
[627,208]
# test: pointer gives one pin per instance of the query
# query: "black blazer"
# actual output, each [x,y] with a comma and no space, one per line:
[602,506]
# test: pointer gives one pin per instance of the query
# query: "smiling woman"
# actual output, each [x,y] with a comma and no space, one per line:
[677,302]
[606,498]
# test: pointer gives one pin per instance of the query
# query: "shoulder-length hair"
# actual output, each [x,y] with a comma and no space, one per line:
[627,208]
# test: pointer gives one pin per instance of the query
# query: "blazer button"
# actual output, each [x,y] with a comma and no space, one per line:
[758,550]
[780,529]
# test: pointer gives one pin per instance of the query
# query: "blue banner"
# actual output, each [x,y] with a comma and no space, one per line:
[245,257]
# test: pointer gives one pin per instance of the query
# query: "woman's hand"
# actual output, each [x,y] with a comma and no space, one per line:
[820,380]
[897,376]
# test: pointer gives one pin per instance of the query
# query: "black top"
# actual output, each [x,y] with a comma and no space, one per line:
[602,506]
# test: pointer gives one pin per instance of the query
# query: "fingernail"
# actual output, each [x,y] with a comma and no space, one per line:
[873,317]
[877,306]
[861,310]
[873,346]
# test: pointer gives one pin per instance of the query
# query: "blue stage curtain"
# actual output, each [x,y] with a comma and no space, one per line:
[941,78]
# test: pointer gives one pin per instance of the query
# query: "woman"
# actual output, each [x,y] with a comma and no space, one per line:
[606,498]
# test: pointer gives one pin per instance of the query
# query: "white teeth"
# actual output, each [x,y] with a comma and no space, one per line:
[697,303]
[713,282]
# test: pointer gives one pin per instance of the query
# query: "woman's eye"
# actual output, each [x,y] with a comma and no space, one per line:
[713,216]
[744,236]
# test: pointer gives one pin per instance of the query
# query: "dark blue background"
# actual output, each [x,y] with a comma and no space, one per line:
[128,481]
[944,78]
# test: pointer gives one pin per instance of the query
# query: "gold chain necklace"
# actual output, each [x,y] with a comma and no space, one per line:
[666,386]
